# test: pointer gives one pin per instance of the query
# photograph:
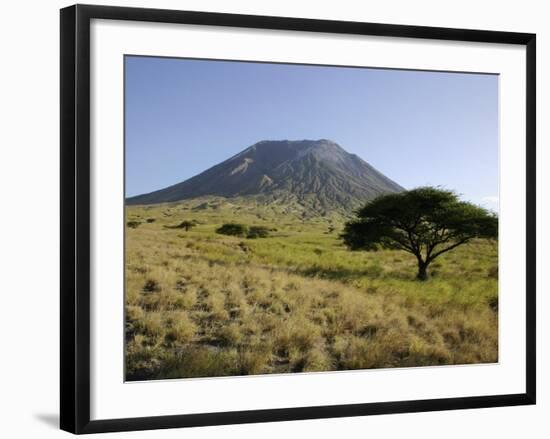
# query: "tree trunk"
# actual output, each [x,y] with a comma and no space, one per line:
[422,271]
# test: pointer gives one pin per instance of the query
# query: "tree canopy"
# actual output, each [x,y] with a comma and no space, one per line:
[426,222]
[187,225]
[243,230]
[233,229]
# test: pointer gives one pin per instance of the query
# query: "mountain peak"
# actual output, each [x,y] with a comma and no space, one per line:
[318,173]
[296,144]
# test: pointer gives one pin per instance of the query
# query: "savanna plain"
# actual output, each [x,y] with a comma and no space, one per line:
[293,299]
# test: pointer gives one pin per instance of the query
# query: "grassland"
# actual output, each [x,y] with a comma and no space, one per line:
[203,304]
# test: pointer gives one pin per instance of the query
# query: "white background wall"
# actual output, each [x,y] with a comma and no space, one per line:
[29,186]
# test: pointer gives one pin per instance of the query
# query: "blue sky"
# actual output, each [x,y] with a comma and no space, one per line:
[418,128]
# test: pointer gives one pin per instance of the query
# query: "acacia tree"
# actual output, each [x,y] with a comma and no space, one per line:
[186,225]
[426,222]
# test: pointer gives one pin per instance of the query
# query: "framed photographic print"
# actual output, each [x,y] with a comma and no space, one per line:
[268,218]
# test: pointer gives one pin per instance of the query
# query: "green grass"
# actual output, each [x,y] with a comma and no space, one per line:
[203,304]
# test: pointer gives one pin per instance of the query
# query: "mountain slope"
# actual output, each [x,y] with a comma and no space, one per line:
[317,174]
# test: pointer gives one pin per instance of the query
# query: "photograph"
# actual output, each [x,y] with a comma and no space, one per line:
[288,218]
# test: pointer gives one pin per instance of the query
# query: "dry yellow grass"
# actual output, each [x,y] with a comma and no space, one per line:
[202,304]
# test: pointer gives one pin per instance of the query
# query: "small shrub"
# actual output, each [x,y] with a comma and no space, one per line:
[187,299]
[493,303]
[317,359]
[230,335]
[257,232]
[133,224]
[300,335]
[233,229]
[215,305]
[245,248]
[151,220]
[186,225]
[141,360]
[151,324]
[254,359]
[151,286]
[181,328]
[134,313]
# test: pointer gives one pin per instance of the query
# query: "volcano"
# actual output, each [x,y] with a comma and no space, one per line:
[318,174]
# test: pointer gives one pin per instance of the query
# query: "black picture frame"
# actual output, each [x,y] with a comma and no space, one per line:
[75,217]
